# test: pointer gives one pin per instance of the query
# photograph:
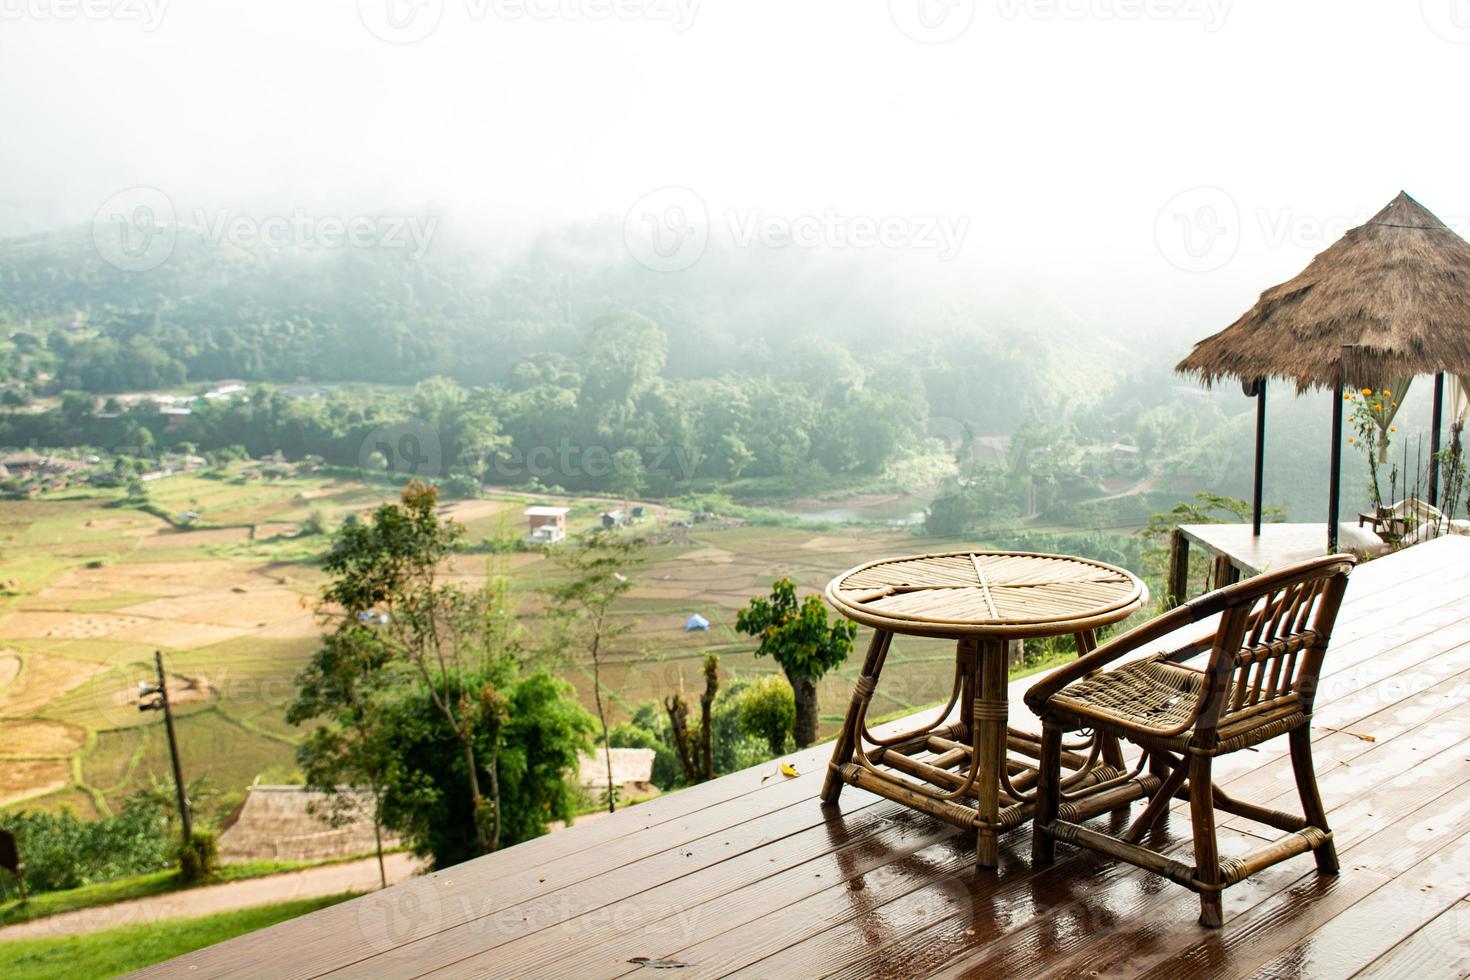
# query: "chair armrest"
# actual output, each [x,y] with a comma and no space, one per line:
[1176,618]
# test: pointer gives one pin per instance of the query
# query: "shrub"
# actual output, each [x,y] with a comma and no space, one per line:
[199,859]
[462,486]
[767,711]
[314,524]
[60,851]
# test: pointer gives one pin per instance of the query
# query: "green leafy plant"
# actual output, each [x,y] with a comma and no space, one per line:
[768,712]
[799,637]
[198,859]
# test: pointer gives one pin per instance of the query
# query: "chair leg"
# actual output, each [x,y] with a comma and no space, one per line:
[1206,851]
[1312,809]
[1043,845]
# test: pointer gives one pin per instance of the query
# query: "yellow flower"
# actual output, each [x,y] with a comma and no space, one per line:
[1377,406]
[1351,439]
[1394,404]
[1386,393]
[1367,391]
[1393,428]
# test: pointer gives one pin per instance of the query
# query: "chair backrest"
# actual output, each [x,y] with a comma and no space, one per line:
[1273,633]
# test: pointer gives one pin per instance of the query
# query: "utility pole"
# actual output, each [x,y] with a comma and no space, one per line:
[161,689]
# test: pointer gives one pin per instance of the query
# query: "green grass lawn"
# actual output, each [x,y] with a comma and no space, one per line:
[117,951]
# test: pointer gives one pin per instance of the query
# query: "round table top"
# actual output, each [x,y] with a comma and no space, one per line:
[986,593]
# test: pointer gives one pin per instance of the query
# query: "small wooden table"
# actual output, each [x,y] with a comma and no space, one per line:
[982,600]
[1236,551]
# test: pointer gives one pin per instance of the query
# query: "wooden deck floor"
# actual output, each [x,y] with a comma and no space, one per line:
[749,875]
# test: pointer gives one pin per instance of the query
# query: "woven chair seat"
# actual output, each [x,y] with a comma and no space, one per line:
[1150,696]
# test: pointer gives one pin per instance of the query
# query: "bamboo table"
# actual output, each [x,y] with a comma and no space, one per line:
[982,600]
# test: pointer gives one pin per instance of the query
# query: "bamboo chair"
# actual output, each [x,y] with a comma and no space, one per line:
[1265,655]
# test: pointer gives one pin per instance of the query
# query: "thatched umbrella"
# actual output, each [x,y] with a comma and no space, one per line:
[1391,299]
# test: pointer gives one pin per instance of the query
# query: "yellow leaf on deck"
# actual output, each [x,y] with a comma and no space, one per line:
[789,771]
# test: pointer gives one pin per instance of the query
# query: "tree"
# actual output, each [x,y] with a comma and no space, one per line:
[628,474]
[696,749]
[386,574]
[802,640]
[596,568]
[536,732]
[347,683]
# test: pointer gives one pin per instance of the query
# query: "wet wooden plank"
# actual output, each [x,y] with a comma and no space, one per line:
[1440,948]
[876,900]
[1424,858]
[670,886]
[1076,924]
[1169,931]
[1428,855]
[353,931]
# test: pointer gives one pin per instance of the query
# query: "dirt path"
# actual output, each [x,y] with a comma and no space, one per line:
[332,879]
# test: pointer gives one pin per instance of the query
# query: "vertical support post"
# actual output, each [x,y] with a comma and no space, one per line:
[1178,585]
[990,710]
[1335,477]
[185,820]
[1436,423]
[1260,455]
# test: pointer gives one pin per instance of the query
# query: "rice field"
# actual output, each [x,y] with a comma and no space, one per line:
[90,589]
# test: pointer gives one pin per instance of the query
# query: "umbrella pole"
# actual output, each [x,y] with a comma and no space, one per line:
[1335,477]
[1260,455]
[1434,428]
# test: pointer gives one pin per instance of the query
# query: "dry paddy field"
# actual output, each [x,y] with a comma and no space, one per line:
[89,590]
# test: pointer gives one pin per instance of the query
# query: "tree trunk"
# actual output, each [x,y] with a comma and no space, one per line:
[378,837]
[678,723]
[706,713]
[805,691]
[612,803]
[495,793]
[477,801]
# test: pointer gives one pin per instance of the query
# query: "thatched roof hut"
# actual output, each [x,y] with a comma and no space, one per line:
[1390,300]
[1395,290]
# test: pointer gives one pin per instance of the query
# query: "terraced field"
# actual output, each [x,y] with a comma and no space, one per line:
[91,588]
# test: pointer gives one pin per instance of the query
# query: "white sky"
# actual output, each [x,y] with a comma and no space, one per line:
[1061,129]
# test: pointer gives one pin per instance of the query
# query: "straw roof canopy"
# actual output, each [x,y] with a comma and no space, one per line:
[1395,290]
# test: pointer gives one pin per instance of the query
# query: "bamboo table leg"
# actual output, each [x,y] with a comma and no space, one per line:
[862,692]
[990,711]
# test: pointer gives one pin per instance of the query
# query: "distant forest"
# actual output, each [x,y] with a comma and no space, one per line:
[567,365]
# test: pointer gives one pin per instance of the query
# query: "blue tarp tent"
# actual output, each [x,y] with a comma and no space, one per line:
[696,622]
